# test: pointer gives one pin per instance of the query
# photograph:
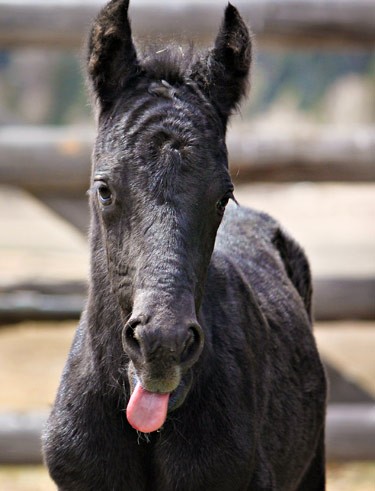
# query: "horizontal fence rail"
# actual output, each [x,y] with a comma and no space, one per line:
[57,160]
[350,434]
[344,298]
[289,22]
[334,299]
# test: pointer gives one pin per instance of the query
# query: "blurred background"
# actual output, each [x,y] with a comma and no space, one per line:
[302,148]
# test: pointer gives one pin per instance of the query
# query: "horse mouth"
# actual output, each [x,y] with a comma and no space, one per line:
[147,411]
[178,396]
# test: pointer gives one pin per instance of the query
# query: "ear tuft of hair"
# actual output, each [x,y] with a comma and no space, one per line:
[112,58]
[232,45]
[223,74]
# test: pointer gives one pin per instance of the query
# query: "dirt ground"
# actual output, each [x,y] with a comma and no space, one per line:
[356,476]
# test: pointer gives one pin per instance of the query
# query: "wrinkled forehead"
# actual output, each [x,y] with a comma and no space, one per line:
[157,121]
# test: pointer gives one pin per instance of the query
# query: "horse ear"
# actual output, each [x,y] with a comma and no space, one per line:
[112,58]
[224,73]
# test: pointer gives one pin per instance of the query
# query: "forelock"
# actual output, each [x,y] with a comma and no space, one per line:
[172,63]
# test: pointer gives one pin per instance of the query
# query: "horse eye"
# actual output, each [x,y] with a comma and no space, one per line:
[104,194]
[221,204]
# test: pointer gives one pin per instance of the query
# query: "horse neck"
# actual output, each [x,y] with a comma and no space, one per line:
[103,322]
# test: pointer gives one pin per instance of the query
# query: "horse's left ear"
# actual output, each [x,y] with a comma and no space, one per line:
[223,76]
[112,58]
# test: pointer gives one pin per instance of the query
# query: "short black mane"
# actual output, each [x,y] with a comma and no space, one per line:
[172,63]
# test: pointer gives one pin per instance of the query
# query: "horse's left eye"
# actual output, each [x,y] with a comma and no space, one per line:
[104,194]
[221,204]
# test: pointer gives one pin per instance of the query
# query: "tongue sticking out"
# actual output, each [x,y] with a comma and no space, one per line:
[147,411]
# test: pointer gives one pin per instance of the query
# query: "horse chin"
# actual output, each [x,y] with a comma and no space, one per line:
[177,396]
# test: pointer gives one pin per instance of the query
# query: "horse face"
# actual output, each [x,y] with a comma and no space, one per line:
[160,186]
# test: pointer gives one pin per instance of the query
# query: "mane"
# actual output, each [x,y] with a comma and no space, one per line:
[177,64]
[172,63]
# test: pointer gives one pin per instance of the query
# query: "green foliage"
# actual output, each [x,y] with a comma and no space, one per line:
[70,97]
[303,76]
[307,75]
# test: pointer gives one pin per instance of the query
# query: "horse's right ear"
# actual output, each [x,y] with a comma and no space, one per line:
[112,58]
[223,73]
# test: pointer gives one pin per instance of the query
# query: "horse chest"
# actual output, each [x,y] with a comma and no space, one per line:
[187,469]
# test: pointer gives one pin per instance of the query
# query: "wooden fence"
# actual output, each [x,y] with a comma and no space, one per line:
[341,298]
[54,165]
[350,434]
[287,22]
[62,157]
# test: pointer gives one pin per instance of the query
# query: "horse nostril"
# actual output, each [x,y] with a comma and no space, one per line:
[193,346]
[130,342]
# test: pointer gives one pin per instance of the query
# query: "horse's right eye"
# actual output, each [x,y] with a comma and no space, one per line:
[104,194]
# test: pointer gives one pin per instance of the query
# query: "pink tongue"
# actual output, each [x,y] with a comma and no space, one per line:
[147,411]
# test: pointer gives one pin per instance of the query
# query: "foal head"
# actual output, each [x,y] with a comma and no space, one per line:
[160,184]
